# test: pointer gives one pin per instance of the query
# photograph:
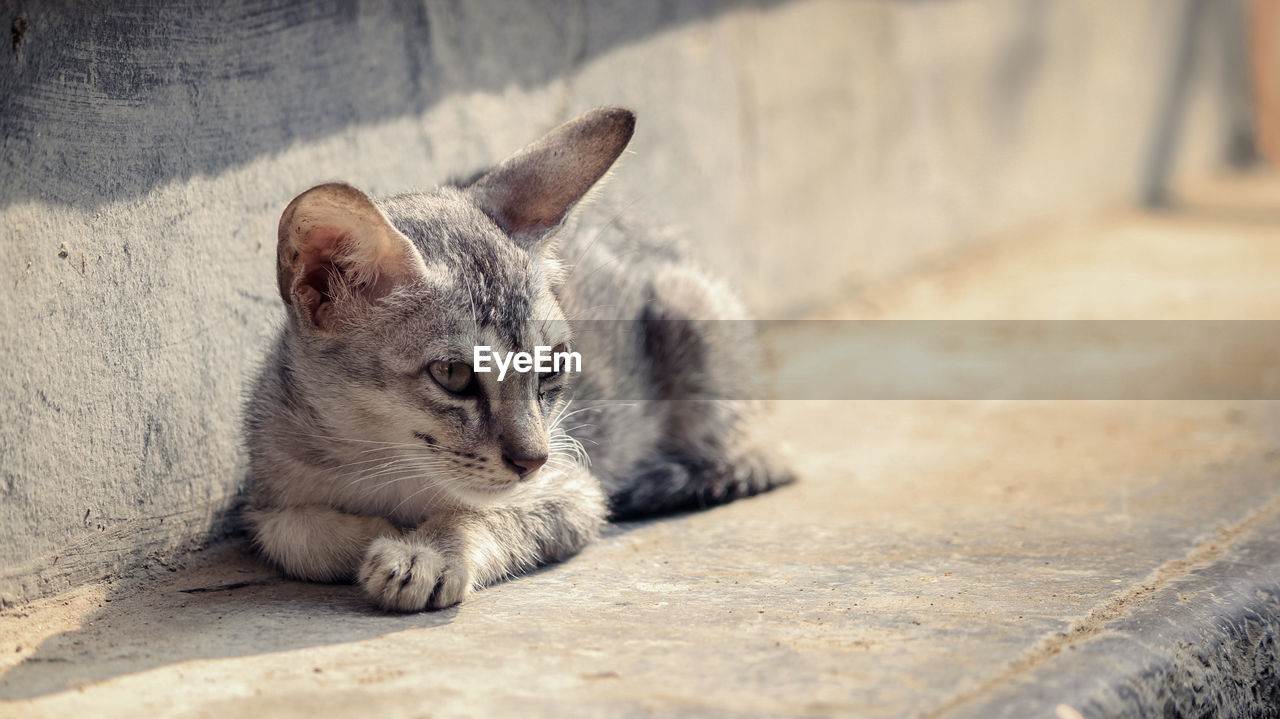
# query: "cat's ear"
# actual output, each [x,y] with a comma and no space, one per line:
[338,249]
[530,193]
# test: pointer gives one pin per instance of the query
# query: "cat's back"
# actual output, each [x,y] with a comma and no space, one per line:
[611,257]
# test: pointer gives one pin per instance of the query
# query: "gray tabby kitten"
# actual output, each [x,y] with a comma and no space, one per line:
[378,453]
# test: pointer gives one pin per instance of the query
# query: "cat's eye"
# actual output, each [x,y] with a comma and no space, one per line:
[454,376]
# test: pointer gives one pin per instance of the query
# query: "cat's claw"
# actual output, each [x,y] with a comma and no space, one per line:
[409,577]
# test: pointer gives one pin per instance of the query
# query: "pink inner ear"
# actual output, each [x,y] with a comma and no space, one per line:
[316,247]
[322,240]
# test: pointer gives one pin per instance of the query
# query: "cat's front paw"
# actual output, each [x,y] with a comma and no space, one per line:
[410,577]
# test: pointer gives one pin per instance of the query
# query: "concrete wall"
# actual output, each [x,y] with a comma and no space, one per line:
[808,147]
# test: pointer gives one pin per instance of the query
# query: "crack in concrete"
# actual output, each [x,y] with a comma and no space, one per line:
[228,586]
[1094,623]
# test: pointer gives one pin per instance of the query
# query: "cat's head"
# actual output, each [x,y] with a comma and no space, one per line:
[388,299]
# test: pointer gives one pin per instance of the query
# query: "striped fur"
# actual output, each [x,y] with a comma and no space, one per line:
[364,467]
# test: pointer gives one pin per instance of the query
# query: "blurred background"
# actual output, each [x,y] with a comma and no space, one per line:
[816,152]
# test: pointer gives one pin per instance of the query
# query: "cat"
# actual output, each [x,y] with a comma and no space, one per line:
[378,453]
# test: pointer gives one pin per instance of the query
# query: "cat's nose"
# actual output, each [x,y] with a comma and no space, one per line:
[524,466]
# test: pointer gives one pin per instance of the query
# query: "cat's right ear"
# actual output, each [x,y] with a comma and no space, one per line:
[338,249]
[529,193]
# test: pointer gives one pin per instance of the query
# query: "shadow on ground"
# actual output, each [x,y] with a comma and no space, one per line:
[227,603]
[230,603]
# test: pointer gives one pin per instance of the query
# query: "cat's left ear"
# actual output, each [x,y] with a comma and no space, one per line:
[529,194]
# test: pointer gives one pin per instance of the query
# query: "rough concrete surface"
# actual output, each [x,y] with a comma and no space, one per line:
[960,558]
[148,149]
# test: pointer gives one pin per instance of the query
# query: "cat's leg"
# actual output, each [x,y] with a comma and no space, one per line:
[457,552]
[705,374]
[314,542]
[677,483]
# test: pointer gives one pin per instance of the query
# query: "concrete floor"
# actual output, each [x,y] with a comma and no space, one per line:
[939,558]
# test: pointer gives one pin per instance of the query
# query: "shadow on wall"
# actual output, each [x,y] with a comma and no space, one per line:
[98,106]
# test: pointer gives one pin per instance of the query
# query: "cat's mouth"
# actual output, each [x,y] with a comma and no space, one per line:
[479,495]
